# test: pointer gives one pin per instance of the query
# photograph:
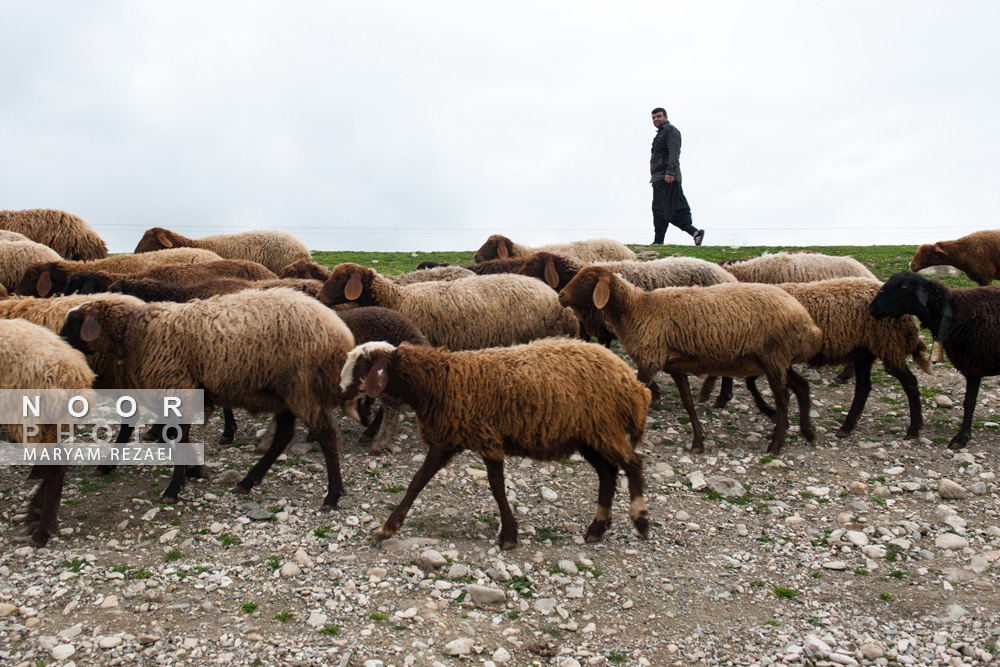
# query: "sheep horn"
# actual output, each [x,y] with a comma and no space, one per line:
[602,292]
[44,284]
[91,328]
[353,289]
[378,377]
[551,275]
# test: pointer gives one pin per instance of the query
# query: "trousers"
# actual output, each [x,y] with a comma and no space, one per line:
[670,207]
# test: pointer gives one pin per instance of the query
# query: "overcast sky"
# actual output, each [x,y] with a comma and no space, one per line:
[430,125]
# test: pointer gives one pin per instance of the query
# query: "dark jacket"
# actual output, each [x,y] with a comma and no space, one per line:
[666,156]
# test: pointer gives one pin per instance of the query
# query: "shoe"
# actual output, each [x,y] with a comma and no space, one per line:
[657,242]
[699,236]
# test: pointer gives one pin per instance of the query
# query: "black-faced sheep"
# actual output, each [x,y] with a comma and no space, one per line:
[275,351]
[472,313]
[272,248]
[840,308]
[45,279]
[966,322]
[534,400]
[32,357]
[17,256]
[591,250]
[977,255]
[65,233]
[745,329]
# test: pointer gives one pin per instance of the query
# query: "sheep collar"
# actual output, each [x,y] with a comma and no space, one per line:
[945,327]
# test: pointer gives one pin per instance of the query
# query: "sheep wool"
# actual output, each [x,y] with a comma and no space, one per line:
[429,275]
[65,233]
[466,314]
[32,357]
[535,400]
[977,255]
[796,267]
[591,250]
[272,248]
[17,256]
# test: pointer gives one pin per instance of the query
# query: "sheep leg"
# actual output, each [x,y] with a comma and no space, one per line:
[51,496]
[607,476]
[508,524]
[328,439]
[637,506]
[969,407]
[389,415]
[177,480]
[229,430]
[373,427]
[707,387]
[681,380]
[845,375]
[758,398]
[437,458]
[800,386]
[284,429]
[776,378]
[124,435]
[909,384]
[645,376]
[862,389]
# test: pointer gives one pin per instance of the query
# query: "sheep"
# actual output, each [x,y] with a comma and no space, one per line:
[534,400]
[471,313]
[429,275]
[430,264]
[732,329]
[305,269]
[6,235]
[966,322]
[17,256]
[977,255]
[592,250]
[91,282]
[158,290]
[839,307]
[50,277]
[32,357]
[272,248]
[795,267]
[274,351]
[65,233]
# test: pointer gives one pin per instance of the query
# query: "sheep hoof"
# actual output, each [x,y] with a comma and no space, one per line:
[507,543]
[169,499]
[958,444]
[842,433]
[241,490]
[226,440]
[39,538]
[911,435]
[642,526]
[382,533]
[198,472]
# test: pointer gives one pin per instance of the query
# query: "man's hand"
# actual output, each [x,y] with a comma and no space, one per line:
[668,178]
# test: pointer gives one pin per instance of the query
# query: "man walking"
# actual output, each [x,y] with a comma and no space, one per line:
[670,206]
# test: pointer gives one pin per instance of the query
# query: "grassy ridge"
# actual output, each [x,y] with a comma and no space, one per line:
[883,260]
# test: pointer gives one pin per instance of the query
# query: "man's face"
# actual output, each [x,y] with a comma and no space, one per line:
[659,118]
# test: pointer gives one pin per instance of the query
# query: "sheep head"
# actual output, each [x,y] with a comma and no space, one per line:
[555,270]
[348,283]
[590,287]
[496,247]
[904,293]
[157,238]
[929,255]
[42,280]
[305,269]
[366,370]
[88,282]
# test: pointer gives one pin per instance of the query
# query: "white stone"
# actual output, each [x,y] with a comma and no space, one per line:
[290,570]
[110,642]
[874,551]
[950,541]
[216,528]
[549,495]
[62,651]
[943,401]
[950,489]
[501,656]
[302,558]
[110,602]
[835,565]
[168,536]
[697,479]
[316,619]
[856,537]
[461,646]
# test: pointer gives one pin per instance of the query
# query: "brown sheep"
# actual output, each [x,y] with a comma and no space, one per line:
[65,233]
[272,248]
[305,269]
[591,250]
[977,255]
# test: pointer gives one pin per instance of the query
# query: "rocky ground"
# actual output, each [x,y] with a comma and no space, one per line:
[868,550]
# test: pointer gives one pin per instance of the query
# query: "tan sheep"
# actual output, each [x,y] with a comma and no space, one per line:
[591,250]
[731,329]
[6,235]
[977,255]
[33,357]
[17,256]
[272,248]
[65,233]
[796,267]
[50,278]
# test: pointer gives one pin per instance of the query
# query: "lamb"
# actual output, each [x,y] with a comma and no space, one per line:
[272,248]
[158,290]
[839,307]
[65,233]
[305,269]
[474,406]
[966,322]
[471,313]
[732,329]
[32,357]
[289,346]
[795,267]
[429,275]
[977,255]
[17,256]
[592,250]
[49,278]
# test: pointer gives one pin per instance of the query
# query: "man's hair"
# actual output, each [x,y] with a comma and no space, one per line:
[659,110]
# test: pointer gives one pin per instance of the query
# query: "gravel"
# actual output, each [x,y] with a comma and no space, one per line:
[865,551]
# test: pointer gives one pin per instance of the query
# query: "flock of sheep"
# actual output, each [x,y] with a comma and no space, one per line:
[491,357]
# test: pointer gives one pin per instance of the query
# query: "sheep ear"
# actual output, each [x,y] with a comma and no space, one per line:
[602,292]
[353,289]
[378,377]
[44,284]
[921,295]
[91,328]
[502,250]
[164,240]
[551,275]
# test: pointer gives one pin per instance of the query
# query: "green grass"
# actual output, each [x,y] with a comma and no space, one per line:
[173,554]
[284,616]
[377,616]
[785,593]
[521,584]
[330,630]
[249,607]
[273,562]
